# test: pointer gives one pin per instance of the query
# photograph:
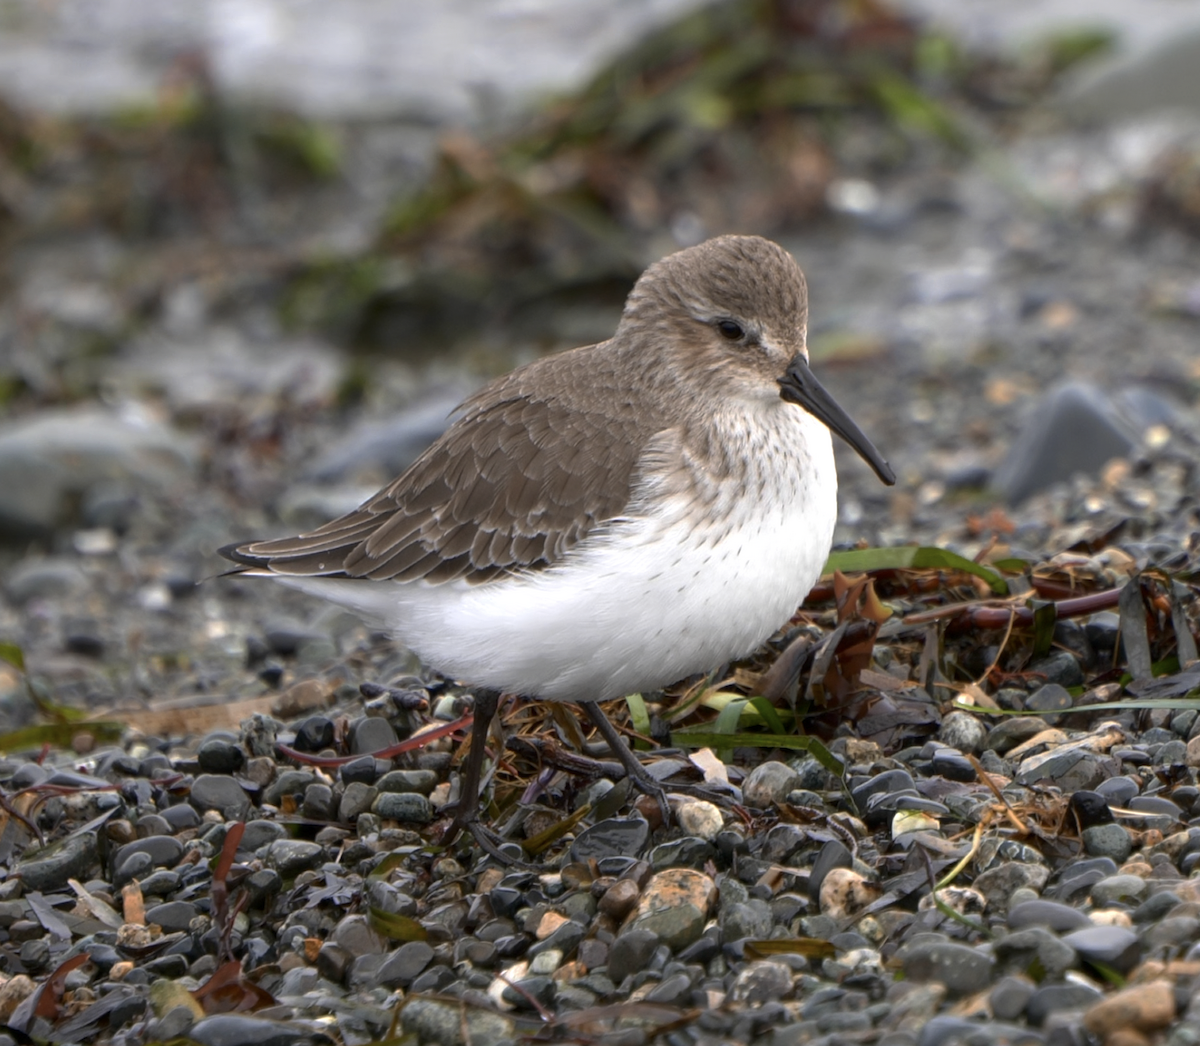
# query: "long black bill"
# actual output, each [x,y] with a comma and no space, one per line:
[800,386]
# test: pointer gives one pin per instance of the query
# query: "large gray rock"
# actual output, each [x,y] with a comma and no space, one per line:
[50,462]
[1074,428]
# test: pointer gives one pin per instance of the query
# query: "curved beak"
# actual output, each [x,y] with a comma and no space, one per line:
[800,386]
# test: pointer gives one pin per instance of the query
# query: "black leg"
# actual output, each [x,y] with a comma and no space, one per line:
[466,808]
[633,766]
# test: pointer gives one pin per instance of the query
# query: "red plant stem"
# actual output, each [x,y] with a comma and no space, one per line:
[413,743]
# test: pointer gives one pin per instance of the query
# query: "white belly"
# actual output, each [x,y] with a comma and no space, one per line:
[650,600]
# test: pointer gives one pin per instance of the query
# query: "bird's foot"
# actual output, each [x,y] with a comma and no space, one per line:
[487,840]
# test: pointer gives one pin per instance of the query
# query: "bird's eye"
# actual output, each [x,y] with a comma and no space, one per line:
[730,330]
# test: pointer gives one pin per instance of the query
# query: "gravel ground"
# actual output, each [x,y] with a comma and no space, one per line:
[1018,335]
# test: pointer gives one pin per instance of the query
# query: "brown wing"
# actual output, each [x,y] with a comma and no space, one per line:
[521,477]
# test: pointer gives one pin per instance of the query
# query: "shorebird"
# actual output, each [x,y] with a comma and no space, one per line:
[612,518]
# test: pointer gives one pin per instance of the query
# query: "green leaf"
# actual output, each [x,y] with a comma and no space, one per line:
[793,742]
[391,862]
[726,724]
[912,557]
[397,927]
[14,655]
[639,716]
[1045,617]
[59,734]
[769,715]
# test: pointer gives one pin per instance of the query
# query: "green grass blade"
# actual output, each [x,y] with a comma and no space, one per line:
[912,557]
[639,717]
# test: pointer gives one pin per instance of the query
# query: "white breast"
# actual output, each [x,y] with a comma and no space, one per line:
[655,597]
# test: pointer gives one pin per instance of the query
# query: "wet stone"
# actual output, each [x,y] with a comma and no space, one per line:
[1053,998]
[403,806]
[180,817]
[616,835]
[769,783]
[356,799]
[163,850]
[405,964]
[228,1029]
[1013,731]
[363,770]
[630,953]
[1091,808]
[963,970]
[1121,888]
[318,802]
[764,980]
[259,833]
[220,756]
[173,916]
[289,857]
[688,852]
[1054,916]
[371,734]
[224,794]
[963,731]
[1009,996]
[314,734]
[420,781]
[72,859]
[1112,946]
[1019,951]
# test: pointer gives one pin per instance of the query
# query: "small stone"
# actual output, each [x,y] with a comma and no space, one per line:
[230,1029]
[963,731]
[410,807]
[762,981]
[963,970]
[1126,888]
[163,850]
[1144,1007]
[173,917]
[445,1024]
[1009,996]
[1055,916]
[1054,998]
[615,835]
[357,936]
[1112,946]
[420,781]
[356,799]
[221,793]
[405,964]
[700,818]
[371,734]
[314,734]
[72,859]
[220,756]
[318,802]
[619,899]
[769,783]
[675,905]
[630,953]
[291,856]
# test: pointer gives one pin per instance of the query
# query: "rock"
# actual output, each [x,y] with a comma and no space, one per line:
[1009,996]
[1054,916]
[371,734]
[229,1029]
[1123,888]
[357,936]
[1035,947]
[1053,998]
[289,857]
[72,859]
[224,794]
[318,802]
[700,818]
[1144,1007]
[1112,946]
[43,579]
[405,964]
[752,918]
[420,781]
[675,905]
[356,799]
[1073,428]
[833,854]
[387,447]
[163,850]
[220,756]
[50,461]
[615,835]
[963,731]
[173,917]
[314,734]
[403,806]
[763,980]
[1014,730]
[630,953]
[769,783]
[446,1024]
[961,969]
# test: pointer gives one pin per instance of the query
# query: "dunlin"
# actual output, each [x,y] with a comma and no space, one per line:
[609,519]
